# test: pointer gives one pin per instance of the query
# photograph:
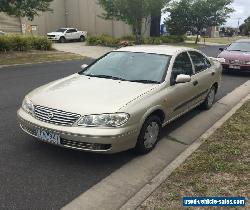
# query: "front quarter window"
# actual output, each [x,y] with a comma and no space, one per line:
[182,65]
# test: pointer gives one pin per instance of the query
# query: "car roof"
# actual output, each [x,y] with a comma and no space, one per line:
[155,49]
[243,40]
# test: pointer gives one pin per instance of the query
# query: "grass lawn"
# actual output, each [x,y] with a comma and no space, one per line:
[220,167]
[35,57]
[219,40]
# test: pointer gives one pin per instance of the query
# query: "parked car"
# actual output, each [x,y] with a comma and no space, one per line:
[236,56]
[67,34]
[2,33]
[122,100]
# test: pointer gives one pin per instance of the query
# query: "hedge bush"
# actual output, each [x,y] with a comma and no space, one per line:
[103,40]
[24,43]
[109,41]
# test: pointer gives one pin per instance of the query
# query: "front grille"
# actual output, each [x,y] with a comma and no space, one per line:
[85,146]
[51,35]
[55,116]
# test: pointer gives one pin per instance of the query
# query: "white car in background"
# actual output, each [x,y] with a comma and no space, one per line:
[67,34]
[2,33]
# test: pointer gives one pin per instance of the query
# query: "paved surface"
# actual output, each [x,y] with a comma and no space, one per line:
[34,175]
[82,49]
[98,51]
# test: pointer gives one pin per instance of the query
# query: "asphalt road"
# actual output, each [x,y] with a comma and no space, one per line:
[35,175]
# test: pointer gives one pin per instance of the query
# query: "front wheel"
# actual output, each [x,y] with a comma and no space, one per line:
[62,39]
[149,135]
[82,39]
[209,101]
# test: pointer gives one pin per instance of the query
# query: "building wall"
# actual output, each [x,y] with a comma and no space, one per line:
[49,21]
[81,14]
[85,15]
[9,24]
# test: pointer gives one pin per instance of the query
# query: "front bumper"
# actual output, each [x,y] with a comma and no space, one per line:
[53,38]
[227,66]
[98,140]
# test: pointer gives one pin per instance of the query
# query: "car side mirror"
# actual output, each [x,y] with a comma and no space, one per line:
[182,78]
[221,49]
[83,66]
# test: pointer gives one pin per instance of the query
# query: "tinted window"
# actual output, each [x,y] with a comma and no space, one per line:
[182,65]
[130,66]
[200,62]
[71,31]
[61,30]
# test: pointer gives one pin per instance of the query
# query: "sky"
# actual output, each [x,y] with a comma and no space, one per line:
[242,10]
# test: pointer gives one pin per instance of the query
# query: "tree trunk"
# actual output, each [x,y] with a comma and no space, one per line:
[137,30]
[197,38]
[155,26]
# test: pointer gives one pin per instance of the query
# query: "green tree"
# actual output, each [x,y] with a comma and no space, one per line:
[133,12]
[24,8]
[197,14]
[245,27]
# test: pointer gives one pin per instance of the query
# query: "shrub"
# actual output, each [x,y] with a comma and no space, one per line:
[152,40]
[109,41]
[103,40]
[24,43]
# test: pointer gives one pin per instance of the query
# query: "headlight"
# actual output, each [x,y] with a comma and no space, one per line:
[28,106]
[104,120]
[247,62]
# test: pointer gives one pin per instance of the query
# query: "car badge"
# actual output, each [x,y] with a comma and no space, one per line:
[50,116]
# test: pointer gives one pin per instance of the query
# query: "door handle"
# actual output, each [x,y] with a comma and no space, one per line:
[195,83]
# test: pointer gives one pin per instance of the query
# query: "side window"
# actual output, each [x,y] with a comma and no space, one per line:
[68,31]
[182,65]
[73,30]
[200,62]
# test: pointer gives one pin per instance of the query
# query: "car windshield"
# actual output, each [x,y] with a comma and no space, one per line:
[61,30]
[130,66]
[240,46]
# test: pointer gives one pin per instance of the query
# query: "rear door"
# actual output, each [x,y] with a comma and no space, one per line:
[204,74]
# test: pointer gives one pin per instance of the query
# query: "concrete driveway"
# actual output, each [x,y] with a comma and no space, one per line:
[81,49]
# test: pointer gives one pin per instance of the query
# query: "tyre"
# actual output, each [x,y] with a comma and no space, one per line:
[149,135]
[62,39]
[82,39]
[209,101]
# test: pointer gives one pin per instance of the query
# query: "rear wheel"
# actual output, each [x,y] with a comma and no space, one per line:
[209,101]
[149,135]
[62,39]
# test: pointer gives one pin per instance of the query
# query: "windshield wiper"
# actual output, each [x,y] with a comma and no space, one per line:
[238,50]
[105,77]
[145,81]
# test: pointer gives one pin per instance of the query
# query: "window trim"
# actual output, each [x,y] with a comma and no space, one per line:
[194,70]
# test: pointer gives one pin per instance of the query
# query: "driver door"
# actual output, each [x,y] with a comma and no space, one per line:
[179,97]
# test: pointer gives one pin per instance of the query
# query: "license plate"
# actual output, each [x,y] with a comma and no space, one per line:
[48,136]
[234,67]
